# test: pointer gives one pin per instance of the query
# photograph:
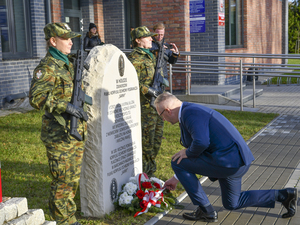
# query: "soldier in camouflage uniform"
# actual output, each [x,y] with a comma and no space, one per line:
[152,124]
[51,90]
[171,53]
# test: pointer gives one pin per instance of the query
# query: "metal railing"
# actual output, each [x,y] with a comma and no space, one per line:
[233,64]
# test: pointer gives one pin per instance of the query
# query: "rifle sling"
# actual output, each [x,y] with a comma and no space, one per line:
[66,116]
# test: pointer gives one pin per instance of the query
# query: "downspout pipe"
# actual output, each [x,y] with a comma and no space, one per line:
[48,11]
[11,98]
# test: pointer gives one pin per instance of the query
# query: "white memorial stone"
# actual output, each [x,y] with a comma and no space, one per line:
[113,150]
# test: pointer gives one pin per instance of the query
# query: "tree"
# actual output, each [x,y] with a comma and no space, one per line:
[294,26]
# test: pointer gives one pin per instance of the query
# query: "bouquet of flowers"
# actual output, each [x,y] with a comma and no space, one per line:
[142,194]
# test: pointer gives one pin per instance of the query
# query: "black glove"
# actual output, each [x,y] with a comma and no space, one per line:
[153,92]
[77,112]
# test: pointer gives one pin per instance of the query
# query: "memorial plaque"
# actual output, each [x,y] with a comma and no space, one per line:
[113,150]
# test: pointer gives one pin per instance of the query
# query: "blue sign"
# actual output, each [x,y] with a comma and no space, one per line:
[197,6]
[3,17]
[197,23]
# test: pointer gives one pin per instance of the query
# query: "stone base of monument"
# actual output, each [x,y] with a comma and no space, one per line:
[113,150]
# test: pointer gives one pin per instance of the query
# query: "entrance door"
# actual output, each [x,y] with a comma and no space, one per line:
[73,16]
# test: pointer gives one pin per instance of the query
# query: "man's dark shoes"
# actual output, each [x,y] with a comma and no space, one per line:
[76,223]
[291,202]
[198,214]
[212,179]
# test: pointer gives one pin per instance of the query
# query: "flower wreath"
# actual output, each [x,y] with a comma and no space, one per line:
[141,193]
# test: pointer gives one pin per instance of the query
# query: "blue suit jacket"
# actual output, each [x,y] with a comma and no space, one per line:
[208,134]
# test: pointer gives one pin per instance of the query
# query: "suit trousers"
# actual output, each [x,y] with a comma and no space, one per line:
[230,180]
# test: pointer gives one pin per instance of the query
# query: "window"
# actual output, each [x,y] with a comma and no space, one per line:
[234,23]
[132,19]
[15,29]
[72,18]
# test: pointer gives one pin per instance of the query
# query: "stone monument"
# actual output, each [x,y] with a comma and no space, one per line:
[113,150]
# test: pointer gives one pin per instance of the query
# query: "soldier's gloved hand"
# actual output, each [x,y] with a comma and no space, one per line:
[77,112]
[153,92]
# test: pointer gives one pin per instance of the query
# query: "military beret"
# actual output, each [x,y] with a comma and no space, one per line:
[60,30]
[140,32]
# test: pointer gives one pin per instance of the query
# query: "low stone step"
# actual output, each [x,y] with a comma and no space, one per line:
[247,95]
[32,217]
[12,208]
[14,211]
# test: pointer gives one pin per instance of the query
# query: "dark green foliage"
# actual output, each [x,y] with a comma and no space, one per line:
[294,26]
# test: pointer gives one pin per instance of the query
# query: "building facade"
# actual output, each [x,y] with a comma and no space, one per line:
[224,26]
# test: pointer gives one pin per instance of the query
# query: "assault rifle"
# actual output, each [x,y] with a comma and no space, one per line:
[78,97]
[158,78]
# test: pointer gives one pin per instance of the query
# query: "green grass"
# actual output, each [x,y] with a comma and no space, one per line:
[284,79]
[25,170]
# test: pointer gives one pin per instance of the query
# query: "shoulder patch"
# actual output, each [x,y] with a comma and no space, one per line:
[38,74]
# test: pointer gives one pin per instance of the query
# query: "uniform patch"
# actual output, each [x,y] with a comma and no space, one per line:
[38,74]
[67,27]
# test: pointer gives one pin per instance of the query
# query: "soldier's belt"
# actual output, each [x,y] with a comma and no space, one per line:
[66,116]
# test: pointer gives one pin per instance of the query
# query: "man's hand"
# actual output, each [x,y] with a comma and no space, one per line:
[179,155]
[174,49]
[171,184]
[153,92]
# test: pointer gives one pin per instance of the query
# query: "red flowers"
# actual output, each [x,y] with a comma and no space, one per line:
[157,185]
[140,194]
[143,204]
[147,185]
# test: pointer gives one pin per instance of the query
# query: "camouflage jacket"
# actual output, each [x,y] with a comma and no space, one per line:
[52,86]
[145,68]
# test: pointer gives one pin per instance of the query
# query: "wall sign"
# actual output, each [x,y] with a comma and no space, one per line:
[197,16]
[197,23]
[221,19]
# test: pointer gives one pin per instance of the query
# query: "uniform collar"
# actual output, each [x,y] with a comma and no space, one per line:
[58,55]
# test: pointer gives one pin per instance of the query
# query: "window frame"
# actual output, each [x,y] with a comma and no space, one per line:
[13,54]
[239,34]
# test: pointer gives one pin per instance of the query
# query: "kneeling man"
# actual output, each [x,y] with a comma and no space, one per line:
[214,148]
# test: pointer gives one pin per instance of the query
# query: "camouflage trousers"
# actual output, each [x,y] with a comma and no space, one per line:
[64,159]
[152,132]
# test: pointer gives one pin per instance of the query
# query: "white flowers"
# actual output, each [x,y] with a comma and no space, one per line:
[130,188]
[125,199]
[133,180]
[156,180]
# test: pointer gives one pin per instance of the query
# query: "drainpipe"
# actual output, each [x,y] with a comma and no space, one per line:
[11,98]
[48,11]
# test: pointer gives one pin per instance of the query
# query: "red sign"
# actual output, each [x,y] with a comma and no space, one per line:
[0,185]
[221,19]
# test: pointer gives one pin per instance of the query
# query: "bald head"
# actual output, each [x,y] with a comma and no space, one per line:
[165,99]
[167,105]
